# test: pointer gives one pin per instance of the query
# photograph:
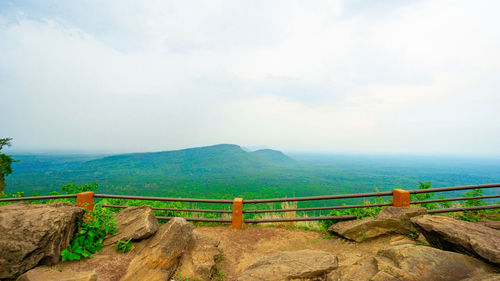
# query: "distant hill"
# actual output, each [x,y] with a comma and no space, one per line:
[216,159]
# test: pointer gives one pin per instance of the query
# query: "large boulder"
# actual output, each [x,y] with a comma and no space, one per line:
[461,236]
[294,265]
[362,270]
[33,234]
[158,261]
[43,273]
[199,261]
[409,262]
[134,223]
[389,220]
[490,224]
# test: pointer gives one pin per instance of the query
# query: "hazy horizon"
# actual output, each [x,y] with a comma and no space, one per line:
[416,77]
[293,153]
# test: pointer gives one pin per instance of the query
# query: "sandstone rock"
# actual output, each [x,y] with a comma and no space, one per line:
[401,240]
[296,265]
[43,273]
[461,236]
[33,234]
[200,258]
[484,277]
[362,270]
[389,220]
[409,262]
[490,224]
[134,222]
[158,261]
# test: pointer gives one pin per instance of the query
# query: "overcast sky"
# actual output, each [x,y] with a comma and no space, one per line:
[325,76]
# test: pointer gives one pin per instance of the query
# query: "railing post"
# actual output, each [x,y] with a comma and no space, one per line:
[85,200]
[400,198]
[237,219]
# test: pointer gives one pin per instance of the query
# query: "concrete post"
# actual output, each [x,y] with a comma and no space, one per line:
[400,198]
[85,200]
[237,219]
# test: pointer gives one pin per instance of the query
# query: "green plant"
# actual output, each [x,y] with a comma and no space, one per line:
[90,234]
[5,164]
[473,216]
[358,212]
[74,189]
[424,196]
[124,245]
[218,274]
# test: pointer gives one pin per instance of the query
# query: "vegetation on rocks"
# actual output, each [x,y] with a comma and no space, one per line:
[124,245]
[90,234]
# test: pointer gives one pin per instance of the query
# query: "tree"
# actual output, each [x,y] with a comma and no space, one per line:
[5,164]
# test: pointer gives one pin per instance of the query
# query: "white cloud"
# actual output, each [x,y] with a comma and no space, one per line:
[413,77]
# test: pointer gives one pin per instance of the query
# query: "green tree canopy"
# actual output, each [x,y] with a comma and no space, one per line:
[5,163]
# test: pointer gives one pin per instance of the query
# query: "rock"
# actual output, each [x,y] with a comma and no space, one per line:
[362,270]
[490,224]
[409,262]
[295,265]
[401,240]
[484,277]
[200,258]
[43,273]
[422,240]
[160,258]
[389,220]
[134,223]
[34,234]
[461,236]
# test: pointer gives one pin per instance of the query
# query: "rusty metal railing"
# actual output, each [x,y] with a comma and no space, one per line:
[400,198]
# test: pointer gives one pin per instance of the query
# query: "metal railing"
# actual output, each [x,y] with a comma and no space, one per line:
[238,212]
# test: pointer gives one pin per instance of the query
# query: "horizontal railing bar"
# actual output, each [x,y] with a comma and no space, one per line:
[196,219]
[349,217]
[454,199]
[491,185]
[38,197]
[450,210]
[311,198]
[172,209]
[163,198]
[317,208]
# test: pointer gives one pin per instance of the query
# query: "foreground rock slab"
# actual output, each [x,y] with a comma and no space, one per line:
[44,273]
[491,224]
[134,223]
[293,265]
[158,261]
[199,261]
[389,220]
[461,236]
[408,262]
[33,234]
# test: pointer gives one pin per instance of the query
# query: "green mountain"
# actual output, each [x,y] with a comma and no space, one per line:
[216,159]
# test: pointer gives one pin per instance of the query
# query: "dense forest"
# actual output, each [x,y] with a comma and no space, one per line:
[228,171]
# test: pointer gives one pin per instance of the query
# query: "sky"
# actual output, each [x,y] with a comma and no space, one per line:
[391,76]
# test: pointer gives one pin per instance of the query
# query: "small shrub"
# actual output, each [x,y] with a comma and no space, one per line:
[358,212]
[218,274]
[124,246]
[90,234]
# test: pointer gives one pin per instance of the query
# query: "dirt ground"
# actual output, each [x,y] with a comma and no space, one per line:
[240,249]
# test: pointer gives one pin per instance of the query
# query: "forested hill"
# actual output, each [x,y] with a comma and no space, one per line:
[216,159]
